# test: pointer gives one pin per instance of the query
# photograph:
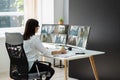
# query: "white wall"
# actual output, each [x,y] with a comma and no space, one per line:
[47,11]
[66,11]
[4,59]
[61,10]
[52,11]
[58,10]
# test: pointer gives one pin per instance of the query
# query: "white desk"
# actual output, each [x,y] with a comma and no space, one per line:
[71,56]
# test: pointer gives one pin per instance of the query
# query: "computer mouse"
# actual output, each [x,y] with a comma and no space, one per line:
[70,48]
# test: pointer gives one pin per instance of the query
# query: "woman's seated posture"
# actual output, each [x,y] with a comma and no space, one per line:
[33,47]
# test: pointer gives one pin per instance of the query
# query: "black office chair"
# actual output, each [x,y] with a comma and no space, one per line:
[18,59]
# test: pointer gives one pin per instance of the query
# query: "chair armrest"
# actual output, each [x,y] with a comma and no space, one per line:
[44,62]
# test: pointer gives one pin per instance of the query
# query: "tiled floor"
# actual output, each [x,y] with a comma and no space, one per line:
[59,75]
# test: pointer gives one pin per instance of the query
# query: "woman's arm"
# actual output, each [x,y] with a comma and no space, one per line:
[62,51]
[38,44]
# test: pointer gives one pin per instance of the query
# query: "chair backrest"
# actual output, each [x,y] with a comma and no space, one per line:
[18,59]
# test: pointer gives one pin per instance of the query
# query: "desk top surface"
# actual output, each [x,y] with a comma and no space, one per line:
[75,53]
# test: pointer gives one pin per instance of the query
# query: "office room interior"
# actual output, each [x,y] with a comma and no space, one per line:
[103,16]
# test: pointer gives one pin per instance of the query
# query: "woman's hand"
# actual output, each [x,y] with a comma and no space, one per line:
[61,51]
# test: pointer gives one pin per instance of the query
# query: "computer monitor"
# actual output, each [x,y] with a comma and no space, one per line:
[54,33]
[47,33]
[78,36]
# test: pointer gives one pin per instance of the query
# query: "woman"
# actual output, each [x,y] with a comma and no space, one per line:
[33,47]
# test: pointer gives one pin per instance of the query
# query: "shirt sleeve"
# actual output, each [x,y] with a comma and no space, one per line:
[39,46]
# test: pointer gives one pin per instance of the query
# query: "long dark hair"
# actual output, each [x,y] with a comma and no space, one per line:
[30,26]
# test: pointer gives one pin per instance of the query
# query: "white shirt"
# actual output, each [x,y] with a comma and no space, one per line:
[33,48]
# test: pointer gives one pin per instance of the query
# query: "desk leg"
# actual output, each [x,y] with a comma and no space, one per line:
[94,67]
[65,67]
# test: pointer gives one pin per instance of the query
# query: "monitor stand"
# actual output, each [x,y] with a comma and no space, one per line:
[59,65]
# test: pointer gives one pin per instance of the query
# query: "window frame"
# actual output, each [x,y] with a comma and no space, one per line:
[12,29]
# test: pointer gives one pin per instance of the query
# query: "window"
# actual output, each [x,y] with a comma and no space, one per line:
[11,13]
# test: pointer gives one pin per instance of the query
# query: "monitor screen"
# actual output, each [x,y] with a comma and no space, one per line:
[78,35]
[54,33]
